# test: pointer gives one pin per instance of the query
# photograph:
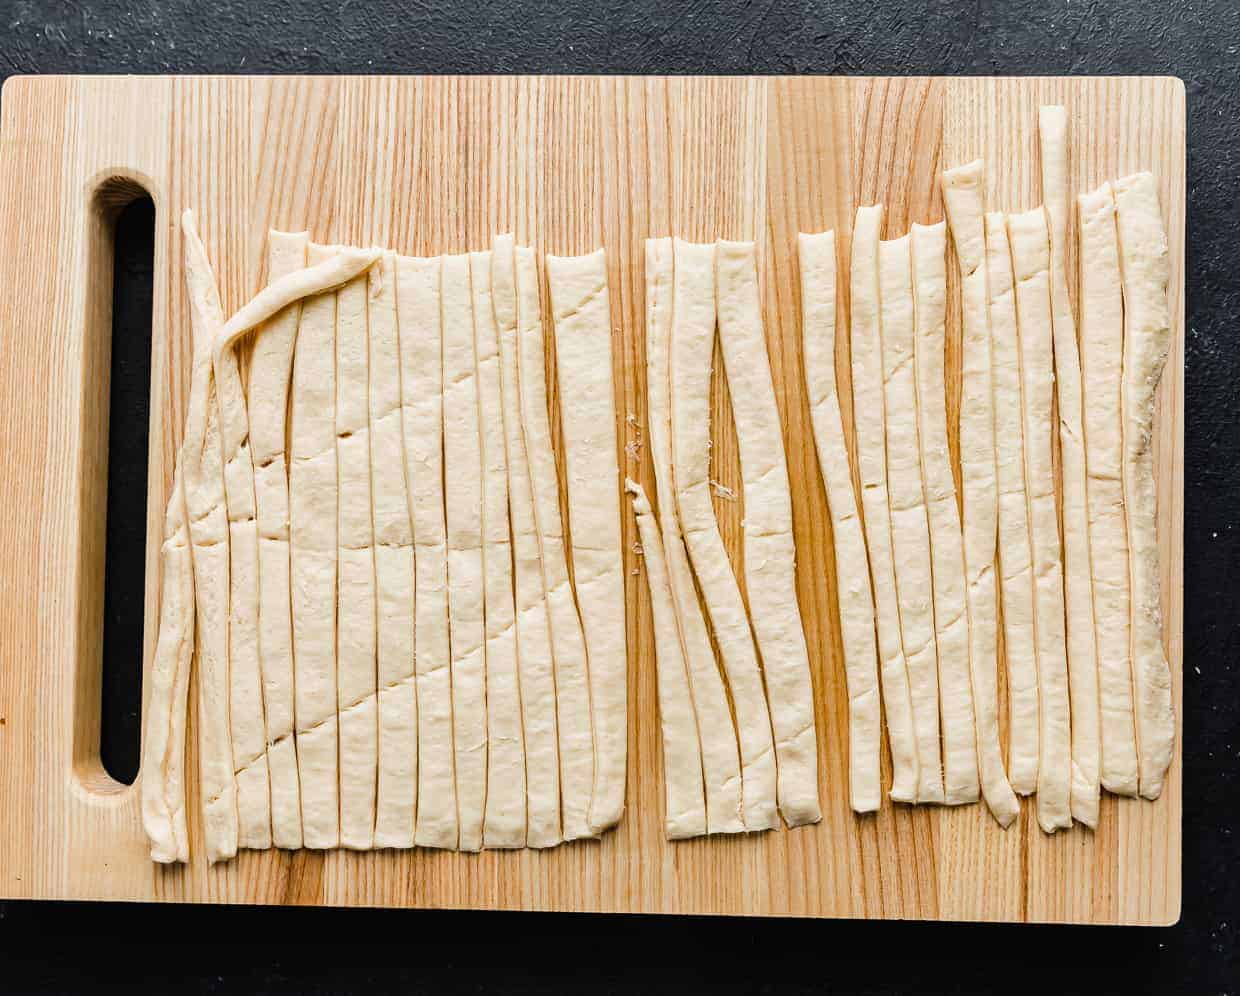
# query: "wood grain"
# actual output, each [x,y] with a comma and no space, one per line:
[428,165]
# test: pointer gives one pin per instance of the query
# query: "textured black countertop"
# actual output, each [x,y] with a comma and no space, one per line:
[67,947]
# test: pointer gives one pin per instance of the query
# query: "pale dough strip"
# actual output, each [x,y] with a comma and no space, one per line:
[928,248]
[963,200]
[1102,360]
[1082,637]
[906,497]
[1015,543]
[770,556]
[852,568]
[692,347]
[420,322]
[721,772]
[1147,340]
[504,821]
[535,662]
[394,591]
[270,369]
[1029,242]
[582,318]
[571,668]
[462,447]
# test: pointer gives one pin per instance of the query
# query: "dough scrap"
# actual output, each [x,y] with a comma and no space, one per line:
[721,772]
[692,347]
[963,200]
[770,556]
[928,248]
[582,319]
[852,568]
[870,422]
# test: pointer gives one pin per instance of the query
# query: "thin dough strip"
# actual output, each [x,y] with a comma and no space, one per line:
[535,662]
[393,549]
[203,482]
[420,322]
[267,401]
[928,246]
[684,797]
[870,422]
[582,318]
[692,346]
[572,675]
[1015,543]
[721,772]
[852,568]
[906,497]
[1030,246]
[770,556]
[1082,635]
[963,197]
[1102,360]
[1147,340]
[504,820]
[462,446]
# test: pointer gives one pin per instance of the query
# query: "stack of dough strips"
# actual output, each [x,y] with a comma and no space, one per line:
[374,588]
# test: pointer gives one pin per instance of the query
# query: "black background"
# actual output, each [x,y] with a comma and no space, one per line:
[69,946]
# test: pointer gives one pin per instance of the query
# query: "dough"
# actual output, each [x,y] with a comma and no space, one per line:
[692,347]
[770,557]
[270,368]
[420,321]
[393,546]
[963,197]
[1078,589]
[313,493]
[163,733]
[1102,356]
[579,304]
[867,382]
[462,446]
[572,676]
[1147,340]
[536,710]
[1030,246]
[1015,543]
[684,797]
[721,771]
[504,820]
[852,567]
[928,247]
[906,497]
[203,481]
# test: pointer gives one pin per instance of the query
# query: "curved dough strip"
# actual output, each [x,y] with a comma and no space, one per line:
[906,497]
[928,247]
[770,556]
[1147,340]
[721,770]
[1015,543]
[868,417]
[572,675]
[963,188]
[579,304]
[692,346]
[1030,246]
[1102,360]
[852,567]
[1082,638]
[534,653]
[685,800]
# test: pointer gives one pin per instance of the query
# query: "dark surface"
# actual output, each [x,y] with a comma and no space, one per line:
[65,947]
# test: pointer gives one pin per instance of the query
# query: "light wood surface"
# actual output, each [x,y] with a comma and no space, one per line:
[442,164]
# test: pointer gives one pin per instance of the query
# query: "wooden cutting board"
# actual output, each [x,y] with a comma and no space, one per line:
[428,165]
